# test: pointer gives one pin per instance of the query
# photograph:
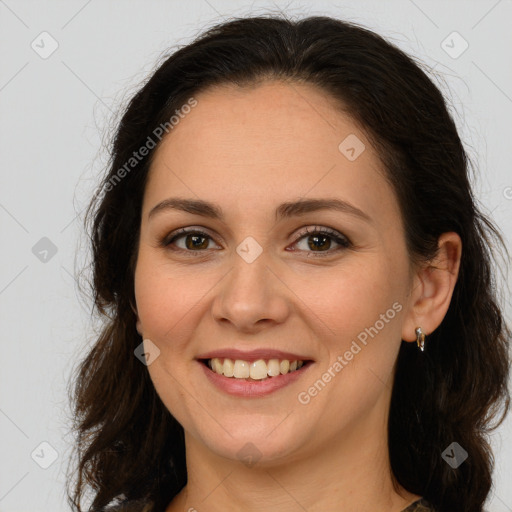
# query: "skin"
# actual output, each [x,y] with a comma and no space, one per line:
[249,150]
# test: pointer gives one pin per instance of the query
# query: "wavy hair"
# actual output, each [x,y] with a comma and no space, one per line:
[128,444]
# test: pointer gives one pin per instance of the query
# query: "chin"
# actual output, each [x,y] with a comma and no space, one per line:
[248,443]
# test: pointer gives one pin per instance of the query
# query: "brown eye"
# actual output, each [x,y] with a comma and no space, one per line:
[320,240]
[193,240]
[196,242]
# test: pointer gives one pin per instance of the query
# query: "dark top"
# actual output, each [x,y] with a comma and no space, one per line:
[421,505]
[139,506]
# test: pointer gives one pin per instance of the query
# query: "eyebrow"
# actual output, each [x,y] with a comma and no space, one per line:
[284,210]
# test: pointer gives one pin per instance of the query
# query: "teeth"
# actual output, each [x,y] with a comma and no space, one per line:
[273,368]
[240,371]
[257,370]
[228,368]
[216,365]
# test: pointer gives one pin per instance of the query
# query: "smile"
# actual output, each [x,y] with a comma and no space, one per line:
[254,379]
[256,370]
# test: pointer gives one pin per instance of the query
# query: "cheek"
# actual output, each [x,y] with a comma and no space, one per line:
[168,297]
[161,298]
[348,297]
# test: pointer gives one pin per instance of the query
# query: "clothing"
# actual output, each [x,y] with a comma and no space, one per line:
[421,505]
[136,506]
[131,506]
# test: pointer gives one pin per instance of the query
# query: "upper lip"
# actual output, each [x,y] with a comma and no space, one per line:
[253,355]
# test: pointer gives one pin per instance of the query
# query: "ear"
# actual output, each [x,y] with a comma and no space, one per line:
[138,322]
[432,288]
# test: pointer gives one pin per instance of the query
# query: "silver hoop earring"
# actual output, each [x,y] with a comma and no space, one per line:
[420,339]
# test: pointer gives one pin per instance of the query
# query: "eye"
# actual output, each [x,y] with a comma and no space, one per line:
[319,240]
[193,240]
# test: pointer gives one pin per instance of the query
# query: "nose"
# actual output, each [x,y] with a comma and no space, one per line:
[252,296]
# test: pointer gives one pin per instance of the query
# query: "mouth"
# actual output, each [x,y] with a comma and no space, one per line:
[254,371]
[252,379]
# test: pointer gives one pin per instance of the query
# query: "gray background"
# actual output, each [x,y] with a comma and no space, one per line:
[55,114]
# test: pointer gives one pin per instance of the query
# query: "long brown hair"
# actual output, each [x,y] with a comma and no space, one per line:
[128,444]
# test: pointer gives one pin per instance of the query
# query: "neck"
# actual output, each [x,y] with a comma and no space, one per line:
[352,472]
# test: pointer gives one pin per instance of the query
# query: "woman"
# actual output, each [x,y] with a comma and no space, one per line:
[296,286]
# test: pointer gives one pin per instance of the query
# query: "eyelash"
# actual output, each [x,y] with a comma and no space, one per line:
[340,239]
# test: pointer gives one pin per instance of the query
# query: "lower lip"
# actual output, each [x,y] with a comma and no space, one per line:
[244,388]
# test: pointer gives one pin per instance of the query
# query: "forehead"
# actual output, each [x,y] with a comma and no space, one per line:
[266,144]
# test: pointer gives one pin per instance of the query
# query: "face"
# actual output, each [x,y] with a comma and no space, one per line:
[326,285]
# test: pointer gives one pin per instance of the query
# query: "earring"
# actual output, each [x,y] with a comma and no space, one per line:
[420,338]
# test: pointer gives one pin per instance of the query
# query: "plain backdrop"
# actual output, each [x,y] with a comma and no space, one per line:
[67,67]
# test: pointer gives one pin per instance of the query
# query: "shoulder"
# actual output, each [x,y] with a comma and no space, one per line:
[421,505]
